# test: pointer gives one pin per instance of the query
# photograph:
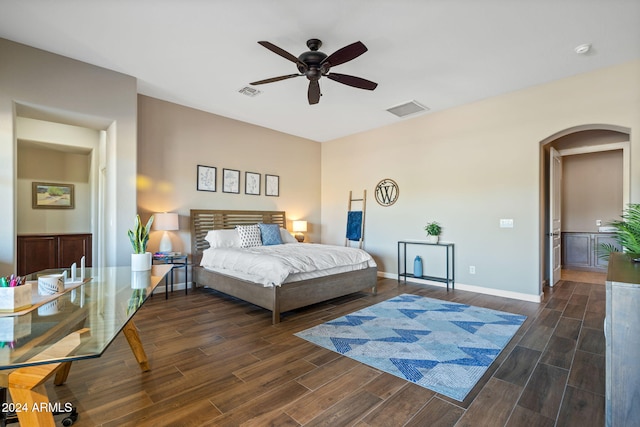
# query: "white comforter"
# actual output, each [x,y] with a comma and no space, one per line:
[272,265]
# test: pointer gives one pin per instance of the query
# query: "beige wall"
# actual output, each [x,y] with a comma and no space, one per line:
[591,190]
[174,139]
[470,166]
[51,166]
[76,93]
[465,167]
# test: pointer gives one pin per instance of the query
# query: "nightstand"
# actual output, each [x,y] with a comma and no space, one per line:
[176,259]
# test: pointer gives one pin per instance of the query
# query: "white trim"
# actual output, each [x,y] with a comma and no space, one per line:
[594,148]
[472,288]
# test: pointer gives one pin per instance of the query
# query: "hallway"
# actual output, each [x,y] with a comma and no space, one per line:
[584,276]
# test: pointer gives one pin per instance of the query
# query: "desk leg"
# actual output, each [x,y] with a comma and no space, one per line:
[131,333]
[29,390]
[186,278]
[62,374]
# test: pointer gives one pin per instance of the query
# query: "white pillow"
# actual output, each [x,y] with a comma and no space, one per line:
[286,236]
[249,235]
[223,238]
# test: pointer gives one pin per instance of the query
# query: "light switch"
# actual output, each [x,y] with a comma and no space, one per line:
[506,223]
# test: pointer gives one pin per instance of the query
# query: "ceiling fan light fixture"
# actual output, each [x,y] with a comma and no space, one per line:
[408,108]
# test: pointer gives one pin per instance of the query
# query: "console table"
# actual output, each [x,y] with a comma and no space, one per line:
[450,256]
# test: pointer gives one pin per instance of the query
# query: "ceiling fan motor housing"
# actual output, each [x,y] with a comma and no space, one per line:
[312,60]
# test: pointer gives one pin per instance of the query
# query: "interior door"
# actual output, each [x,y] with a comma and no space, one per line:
[555,198]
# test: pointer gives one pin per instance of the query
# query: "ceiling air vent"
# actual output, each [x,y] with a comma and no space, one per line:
[408,108]
[249,91]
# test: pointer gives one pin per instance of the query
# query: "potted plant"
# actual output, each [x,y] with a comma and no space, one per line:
[139,237]
[433,230]
[627,232]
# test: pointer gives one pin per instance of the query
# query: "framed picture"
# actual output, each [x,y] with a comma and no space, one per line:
[52,196]
[252,183]
[207,178]
[271,185]
[230,181]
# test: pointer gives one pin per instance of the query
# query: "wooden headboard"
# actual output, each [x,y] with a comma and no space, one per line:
[204,220]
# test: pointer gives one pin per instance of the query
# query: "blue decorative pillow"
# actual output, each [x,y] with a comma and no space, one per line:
[270,234]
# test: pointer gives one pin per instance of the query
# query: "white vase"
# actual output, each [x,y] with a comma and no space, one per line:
[432,239]
[141,262]
[140,279]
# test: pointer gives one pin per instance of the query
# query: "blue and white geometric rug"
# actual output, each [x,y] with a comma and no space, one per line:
[441,345]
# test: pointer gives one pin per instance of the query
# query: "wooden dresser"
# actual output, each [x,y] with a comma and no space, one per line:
[42,251]
[622,335]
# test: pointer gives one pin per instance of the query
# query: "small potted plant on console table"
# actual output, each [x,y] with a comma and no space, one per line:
[433,230]
[139,237]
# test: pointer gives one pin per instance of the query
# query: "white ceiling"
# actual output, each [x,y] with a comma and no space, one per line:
[199,53]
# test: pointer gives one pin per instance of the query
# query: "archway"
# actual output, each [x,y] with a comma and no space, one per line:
[583,139]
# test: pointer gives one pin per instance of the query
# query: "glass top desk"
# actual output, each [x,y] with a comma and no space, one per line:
[78,324]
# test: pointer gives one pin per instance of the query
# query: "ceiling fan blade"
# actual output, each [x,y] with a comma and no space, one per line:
[314,92]
[279,51]
[353,81]
[345,54]
[275,79]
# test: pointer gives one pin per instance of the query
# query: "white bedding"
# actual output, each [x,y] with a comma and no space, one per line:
[278,264]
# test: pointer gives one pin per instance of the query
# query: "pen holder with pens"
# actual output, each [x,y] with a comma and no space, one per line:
[15,298]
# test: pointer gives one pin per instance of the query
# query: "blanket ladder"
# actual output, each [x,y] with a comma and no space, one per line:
[355,221]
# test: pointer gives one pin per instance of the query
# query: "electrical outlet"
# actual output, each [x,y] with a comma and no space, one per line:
[598,222]
[472,269]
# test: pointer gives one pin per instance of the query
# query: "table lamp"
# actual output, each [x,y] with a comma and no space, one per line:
[166,222]
[299,227]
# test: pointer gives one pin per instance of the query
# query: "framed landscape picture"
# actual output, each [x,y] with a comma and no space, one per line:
[46,195]
[272,185]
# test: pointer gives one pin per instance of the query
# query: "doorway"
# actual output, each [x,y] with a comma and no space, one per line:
[50,150]
[586,141]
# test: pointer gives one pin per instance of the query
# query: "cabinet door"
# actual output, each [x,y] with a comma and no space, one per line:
[72,247]
[36,253]
[576,249]
[597,241]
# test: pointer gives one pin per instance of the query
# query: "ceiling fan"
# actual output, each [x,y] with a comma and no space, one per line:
[315,64]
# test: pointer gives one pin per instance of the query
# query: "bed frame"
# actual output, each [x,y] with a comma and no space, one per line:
[278,299]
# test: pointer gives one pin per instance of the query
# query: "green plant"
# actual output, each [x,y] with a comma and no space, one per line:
[433,229]
[139,236]
[136,300]
[627,232]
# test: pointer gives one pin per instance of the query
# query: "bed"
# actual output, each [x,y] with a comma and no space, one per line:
[278,299]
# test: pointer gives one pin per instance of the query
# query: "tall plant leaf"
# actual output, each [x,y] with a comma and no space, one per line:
[627,232]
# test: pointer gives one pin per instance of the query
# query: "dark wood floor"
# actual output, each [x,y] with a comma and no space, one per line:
[219,362]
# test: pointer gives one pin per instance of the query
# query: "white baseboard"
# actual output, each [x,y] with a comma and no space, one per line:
[176,287]
[472,288]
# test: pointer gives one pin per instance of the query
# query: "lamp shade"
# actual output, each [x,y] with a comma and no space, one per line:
[299,226]
[166,221]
